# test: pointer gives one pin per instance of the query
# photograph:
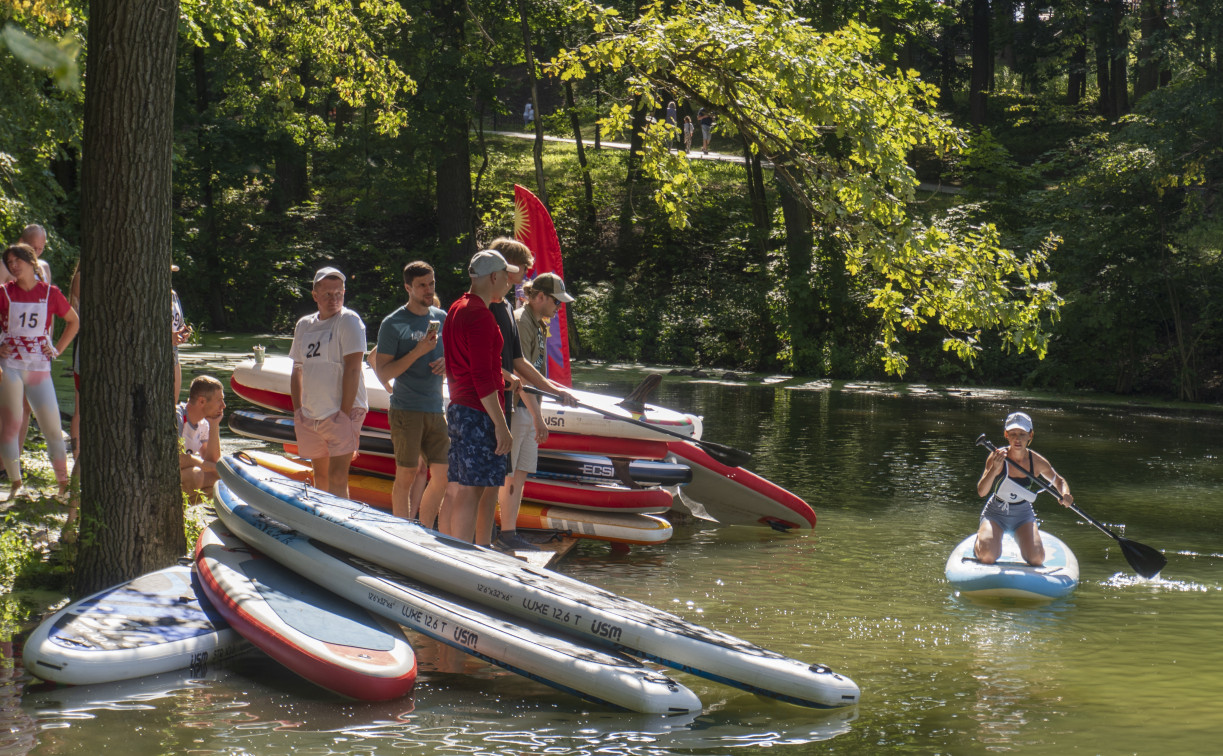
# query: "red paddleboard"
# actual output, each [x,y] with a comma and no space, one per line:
[267,385]
[320,636]
[734,496]
[604,498]
[606,446]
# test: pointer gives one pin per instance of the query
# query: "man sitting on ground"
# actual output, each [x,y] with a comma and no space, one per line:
[199,428]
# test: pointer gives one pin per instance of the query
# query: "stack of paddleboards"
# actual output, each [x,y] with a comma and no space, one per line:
[578,481]
[539,623]
[614,527]
[592,460]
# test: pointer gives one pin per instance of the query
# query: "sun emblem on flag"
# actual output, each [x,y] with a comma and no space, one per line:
[522,224]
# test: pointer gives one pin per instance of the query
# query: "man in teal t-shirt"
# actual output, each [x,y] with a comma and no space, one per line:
[410,353]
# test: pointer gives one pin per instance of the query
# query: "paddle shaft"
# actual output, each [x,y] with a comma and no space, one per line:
[725,454]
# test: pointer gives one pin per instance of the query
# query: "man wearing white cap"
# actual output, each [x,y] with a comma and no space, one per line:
[544,295]
[479,435]
[1010,494]
[326,386]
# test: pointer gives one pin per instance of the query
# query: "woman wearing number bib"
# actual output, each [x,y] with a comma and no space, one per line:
[26,308]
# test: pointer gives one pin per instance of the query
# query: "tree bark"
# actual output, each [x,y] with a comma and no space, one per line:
[1104,38]
[981,55]
[1120,61]
[131,504]
[632,177]
[1147,77]
[591,216]
[801,324]
[947,74]
[455,225]
[538,151]
[206,251]
[1076,85]
[761,219]
[455,210]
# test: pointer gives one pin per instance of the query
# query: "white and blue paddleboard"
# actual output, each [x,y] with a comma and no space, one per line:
[1011,576]
[317,634]
[158,622]
[538,595]
[561,661]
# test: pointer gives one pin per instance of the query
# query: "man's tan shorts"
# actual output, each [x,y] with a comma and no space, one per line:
[417,434]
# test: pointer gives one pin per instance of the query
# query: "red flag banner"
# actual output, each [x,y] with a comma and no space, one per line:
[533,227]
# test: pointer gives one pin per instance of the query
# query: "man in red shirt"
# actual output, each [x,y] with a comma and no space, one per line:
[479,436]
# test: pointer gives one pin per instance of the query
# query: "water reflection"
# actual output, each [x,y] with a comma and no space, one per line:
[17,729]
[225,712]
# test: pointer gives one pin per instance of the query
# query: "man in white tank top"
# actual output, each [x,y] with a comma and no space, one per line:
[327,387]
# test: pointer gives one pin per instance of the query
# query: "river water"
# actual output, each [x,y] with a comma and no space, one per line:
[1121,666]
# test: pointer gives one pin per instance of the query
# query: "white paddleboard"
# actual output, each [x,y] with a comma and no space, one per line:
[155,623]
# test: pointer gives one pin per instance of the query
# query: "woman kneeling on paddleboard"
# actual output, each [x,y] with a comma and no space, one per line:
[1010,494]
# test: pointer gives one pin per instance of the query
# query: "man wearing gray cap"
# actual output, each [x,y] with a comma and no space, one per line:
[326,386]
[479,435]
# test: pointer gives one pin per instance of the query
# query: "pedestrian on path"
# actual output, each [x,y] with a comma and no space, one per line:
[705,118]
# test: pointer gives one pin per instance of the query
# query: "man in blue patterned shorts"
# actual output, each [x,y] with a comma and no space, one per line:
[479,436]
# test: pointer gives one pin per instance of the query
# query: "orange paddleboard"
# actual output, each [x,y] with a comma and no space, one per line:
[617,527]
[364,488]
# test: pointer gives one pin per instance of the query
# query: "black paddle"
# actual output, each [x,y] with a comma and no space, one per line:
[1145,560]
[727,455]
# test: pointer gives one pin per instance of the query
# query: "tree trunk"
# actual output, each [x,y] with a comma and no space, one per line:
[208,245]
[538,151]
[947,77]
[632,177]
[1102,18]
[1007,43]
[598,111]
[800,325]
[455,225]
[131,504]
[291,176]
[591,216]
[1076,89]
[761,219]
[981,55]
[456,221]
[1120,61]
[1150,65]
[1028,62]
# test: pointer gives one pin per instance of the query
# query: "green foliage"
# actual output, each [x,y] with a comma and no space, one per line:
[838,129]
[40,125]
[59,59]
[1138,212]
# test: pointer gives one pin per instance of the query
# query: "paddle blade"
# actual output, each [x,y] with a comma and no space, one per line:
[1145,560]
[727,455]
